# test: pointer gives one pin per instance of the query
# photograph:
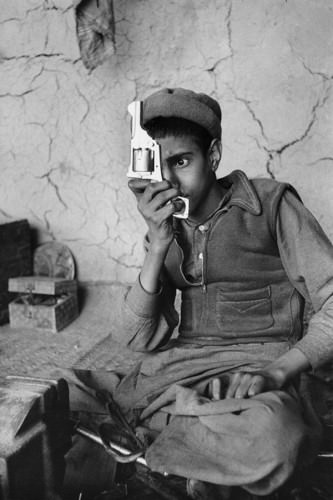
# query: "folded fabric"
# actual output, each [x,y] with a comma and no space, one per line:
[254,443]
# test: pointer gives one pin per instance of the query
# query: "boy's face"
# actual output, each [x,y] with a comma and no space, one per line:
[190,170]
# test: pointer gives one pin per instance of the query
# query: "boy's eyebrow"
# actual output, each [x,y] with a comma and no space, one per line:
[178,155]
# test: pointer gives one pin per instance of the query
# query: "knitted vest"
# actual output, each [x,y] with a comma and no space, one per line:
[247,296]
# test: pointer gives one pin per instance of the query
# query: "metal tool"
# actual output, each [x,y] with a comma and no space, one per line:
[119,453]
[120,421]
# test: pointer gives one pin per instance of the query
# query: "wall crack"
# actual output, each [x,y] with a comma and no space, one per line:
[277,153]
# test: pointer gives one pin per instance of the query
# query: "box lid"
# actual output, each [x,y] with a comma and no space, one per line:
[41,284]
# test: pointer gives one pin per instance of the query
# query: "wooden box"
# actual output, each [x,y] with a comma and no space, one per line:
[43,302]
[15,259]
[34,437]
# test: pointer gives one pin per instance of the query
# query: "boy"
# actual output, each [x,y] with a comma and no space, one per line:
[223,400]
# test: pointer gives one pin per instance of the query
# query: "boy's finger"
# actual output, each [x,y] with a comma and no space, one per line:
[164,213]
[158,190]
[243,386]
[215,387]
[162,198]
[178,204]
[138,186]
[257,385]
[233,385]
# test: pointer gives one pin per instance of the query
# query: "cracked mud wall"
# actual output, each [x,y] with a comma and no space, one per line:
[64,131]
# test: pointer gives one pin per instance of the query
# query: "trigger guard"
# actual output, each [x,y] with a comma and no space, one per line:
[183,214]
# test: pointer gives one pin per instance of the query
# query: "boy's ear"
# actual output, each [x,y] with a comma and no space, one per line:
[214,154]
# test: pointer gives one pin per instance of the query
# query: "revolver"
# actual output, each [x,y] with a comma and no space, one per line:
[145,162]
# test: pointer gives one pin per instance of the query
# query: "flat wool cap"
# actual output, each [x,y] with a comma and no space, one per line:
[183,103]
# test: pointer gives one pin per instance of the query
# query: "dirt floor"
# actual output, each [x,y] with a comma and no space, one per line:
[88,342]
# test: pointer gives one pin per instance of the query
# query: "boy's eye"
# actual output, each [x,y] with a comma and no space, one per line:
[182,162]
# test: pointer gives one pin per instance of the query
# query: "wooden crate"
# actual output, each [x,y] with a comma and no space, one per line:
[43,303]
[34,437]
[15,259]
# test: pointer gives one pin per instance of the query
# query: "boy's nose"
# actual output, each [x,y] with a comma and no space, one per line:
[169,175]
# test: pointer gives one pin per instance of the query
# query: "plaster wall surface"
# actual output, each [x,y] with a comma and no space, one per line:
[64,131]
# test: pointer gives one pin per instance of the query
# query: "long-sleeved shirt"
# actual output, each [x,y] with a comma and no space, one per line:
[306,254]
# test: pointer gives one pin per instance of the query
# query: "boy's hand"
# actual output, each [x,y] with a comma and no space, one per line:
[274,376]
[154,205]
[248,384]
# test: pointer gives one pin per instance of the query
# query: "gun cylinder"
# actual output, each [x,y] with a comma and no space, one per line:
[142,160]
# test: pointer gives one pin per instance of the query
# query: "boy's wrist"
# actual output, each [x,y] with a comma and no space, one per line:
[157,290]
[152,267]
[278,375]
[159,248]
[288,366]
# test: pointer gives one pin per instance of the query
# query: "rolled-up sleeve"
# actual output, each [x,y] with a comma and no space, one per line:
[307,256]
[149,319]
